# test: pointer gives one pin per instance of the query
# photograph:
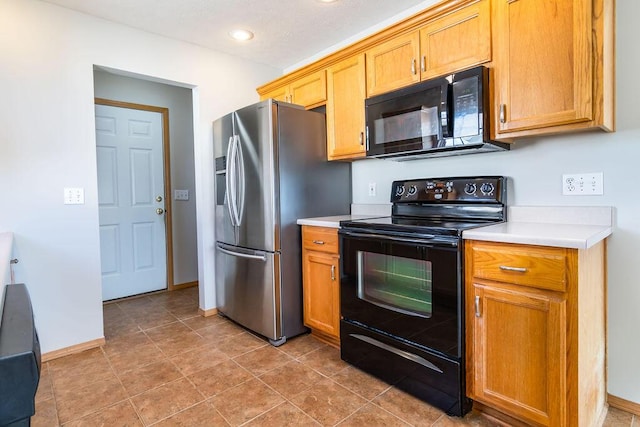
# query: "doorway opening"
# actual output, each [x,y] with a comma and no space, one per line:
[114,88]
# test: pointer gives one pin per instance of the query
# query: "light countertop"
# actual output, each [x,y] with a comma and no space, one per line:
[331,221]
[543,234]
[565,227]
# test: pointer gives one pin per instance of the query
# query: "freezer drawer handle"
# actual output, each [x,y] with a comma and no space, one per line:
[409,356]
[261,257]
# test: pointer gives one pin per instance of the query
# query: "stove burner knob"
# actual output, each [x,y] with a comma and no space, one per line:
[470,188]
[412,190]
[487,188]
[399,190]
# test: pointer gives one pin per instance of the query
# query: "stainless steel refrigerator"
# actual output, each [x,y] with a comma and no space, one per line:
[271,169]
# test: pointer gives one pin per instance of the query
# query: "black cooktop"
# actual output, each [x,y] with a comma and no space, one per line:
[415,226]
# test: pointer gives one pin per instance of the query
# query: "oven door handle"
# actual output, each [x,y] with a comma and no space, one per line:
[423,240]
[405,354]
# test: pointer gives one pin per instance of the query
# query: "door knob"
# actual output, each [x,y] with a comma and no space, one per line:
[159,211]
[158,198]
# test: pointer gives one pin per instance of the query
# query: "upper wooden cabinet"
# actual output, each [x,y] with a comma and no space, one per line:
[453,42]
[309,91]
[553,66]
[393,64]
[345,109]
[456,41]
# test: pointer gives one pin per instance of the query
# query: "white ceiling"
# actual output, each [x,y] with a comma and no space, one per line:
[286,31]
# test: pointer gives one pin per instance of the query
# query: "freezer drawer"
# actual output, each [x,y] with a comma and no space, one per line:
[248,288]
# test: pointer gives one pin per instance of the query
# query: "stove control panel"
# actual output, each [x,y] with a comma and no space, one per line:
[489,189]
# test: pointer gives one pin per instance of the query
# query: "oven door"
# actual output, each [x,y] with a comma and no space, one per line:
[405,287]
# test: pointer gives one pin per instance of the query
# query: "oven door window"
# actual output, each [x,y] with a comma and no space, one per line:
[400,284]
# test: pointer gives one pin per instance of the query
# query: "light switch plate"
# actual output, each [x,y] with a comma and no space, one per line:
[181,194]
[74,196]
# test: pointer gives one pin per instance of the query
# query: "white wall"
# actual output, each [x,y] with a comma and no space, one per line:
[536,166]
[180,104]
[47,142]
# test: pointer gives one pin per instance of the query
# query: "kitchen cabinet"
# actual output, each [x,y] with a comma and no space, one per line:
[456,41]
[345,109]
[535,331]
[309,91]
[321,282]
[453,42]
[553,66]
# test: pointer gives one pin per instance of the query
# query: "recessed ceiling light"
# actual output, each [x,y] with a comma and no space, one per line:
[327,1]
[241,35]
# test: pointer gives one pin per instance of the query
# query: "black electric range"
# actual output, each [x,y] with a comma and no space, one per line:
[401,285]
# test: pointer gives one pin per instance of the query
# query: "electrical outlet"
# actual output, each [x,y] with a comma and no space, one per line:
[583,184]
[372,189]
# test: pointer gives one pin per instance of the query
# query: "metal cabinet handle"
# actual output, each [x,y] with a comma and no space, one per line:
[318,242]
[423,63]
[518,269]
[503,113]
[413,66]
[361,138]
[477,305]
[333,272]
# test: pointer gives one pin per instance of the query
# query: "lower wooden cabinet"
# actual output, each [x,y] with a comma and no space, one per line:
[535,319]
[321,282]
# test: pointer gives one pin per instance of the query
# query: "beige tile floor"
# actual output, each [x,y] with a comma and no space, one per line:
[164,365]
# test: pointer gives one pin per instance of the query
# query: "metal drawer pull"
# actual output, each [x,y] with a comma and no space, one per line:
[318,242]
[518,269]
[405,354]
[477,304]
[333,272]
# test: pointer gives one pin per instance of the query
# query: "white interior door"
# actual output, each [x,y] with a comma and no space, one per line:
[131,201]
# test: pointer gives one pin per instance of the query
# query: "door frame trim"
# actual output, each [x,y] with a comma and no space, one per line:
[166,158]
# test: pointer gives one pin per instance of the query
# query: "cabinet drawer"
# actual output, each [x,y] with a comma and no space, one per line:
[536,266]
[321,239]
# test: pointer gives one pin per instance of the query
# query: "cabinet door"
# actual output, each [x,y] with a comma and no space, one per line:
[456,41]
[393,64]
[519,353]
[542,63]
[279,94]
[321,292]
[310,90]
[345,109]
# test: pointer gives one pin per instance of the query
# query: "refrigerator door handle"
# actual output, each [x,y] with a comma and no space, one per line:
[257,255]
[241,180]
[229,181]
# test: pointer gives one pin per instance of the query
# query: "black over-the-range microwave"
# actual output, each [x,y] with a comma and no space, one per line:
[444,116]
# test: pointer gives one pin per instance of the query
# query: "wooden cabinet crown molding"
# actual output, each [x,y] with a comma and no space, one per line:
[409,24]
